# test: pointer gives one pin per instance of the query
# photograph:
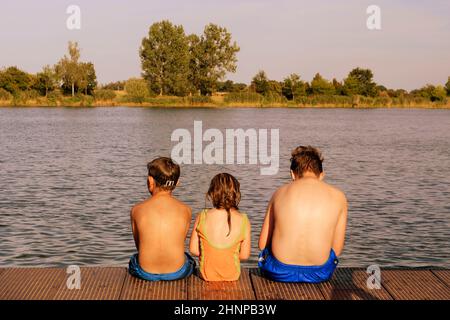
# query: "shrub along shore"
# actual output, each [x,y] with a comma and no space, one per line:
[228,100]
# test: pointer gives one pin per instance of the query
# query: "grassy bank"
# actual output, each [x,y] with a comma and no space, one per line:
[243,99]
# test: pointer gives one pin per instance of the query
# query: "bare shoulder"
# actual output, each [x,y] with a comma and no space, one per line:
[281,190]
[183,207]
[338,193]
[138,208]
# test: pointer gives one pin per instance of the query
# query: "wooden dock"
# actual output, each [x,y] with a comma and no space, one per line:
[114,283]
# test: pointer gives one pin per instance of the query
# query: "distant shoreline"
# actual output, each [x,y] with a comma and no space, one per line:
[223,106]
[225,100]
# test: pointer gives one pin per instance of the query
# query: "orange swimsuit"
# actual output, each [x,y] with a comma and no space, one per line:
[220,262]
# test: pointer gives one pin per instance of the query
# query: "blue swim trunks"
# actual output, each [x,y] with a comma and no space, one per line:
[281,272]
[185,271]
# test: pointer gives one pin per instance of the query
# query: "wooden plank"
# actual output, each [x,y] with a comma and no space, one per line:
[199,289]
[444,275]
[137,289]
[96,284]
[269,290]
[414,285]
[31,283]
[351,284]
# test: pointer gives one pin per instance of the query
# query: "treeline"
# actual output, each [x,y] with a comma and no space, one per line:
[190,69]
[68,76]
[356,87]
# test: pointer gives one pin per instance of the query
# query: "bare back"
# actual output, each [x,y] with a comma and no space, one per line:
[308,215]
[160,225]
[216,226]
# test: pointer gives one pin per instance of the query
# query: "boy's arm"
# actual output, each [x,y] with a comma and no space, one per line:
[265,237]
[339,234]
[134,229]
[246,244]
[194,242]
[188,224]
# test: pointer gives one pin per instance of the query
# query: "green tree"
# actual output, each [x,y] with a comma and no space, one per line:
[321,86]
[137,90]
[360,82]
[67,68]
[338,87]
[293,87]
[46,80]
[434,93]
[73,75]
[87,80]
[447,86]
[14,80]
[260,83]
[439,94]
[431,92]
[275,87]
[165,59]
[351,86]
[212,55]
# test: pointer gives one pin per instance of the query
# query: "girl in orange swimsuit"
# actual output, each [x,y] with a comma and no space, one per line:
[221,236]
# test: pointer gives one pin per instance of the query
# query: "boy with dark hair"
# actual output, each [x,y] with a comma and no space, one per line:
[160,256]
[304,228]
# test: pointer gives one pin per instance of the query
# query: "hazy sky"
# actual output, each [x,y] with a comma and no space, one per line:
[281,37]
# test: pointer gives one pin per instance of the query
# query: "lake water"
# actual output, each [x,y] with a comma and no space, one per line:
[69,176]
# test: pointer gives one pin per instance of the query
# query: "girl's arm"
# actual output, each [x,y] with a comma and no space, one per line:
[194,242]
[246,244]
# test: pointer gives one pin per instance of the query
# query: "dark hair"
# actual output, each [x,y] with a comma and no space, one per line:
[165,172]
[224,193]
[306,159]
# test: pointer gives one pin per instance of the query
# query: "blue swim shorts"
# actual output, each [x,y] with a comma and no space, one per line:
[185,271]
[276,270]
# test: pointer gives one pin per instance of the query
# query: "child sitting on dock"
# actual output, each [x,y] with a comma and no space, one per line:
[160,225]
[304,228]
[221,236]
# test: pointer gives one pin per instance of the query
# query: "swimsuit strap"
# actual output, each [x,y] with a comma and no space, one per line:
[201,224]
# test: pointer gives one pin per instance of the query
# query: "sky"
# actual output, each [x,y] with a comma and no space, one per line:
[281,37]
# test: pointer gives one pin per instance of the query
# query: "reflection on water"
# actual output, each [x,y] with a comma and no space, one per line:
[69,177]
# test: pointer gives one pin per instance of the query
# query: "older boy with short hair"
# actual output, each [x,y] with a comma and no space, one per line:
[304,228]
[160,225]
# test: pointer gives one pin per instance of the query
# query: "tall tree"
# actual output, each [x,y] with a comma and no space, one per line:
[74,75]
[68,69]
[338,87]
[260,83]
[320,85]
[293,87]
[165,58]
[212,55]
[87,77]
[360,81]
[46,80]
